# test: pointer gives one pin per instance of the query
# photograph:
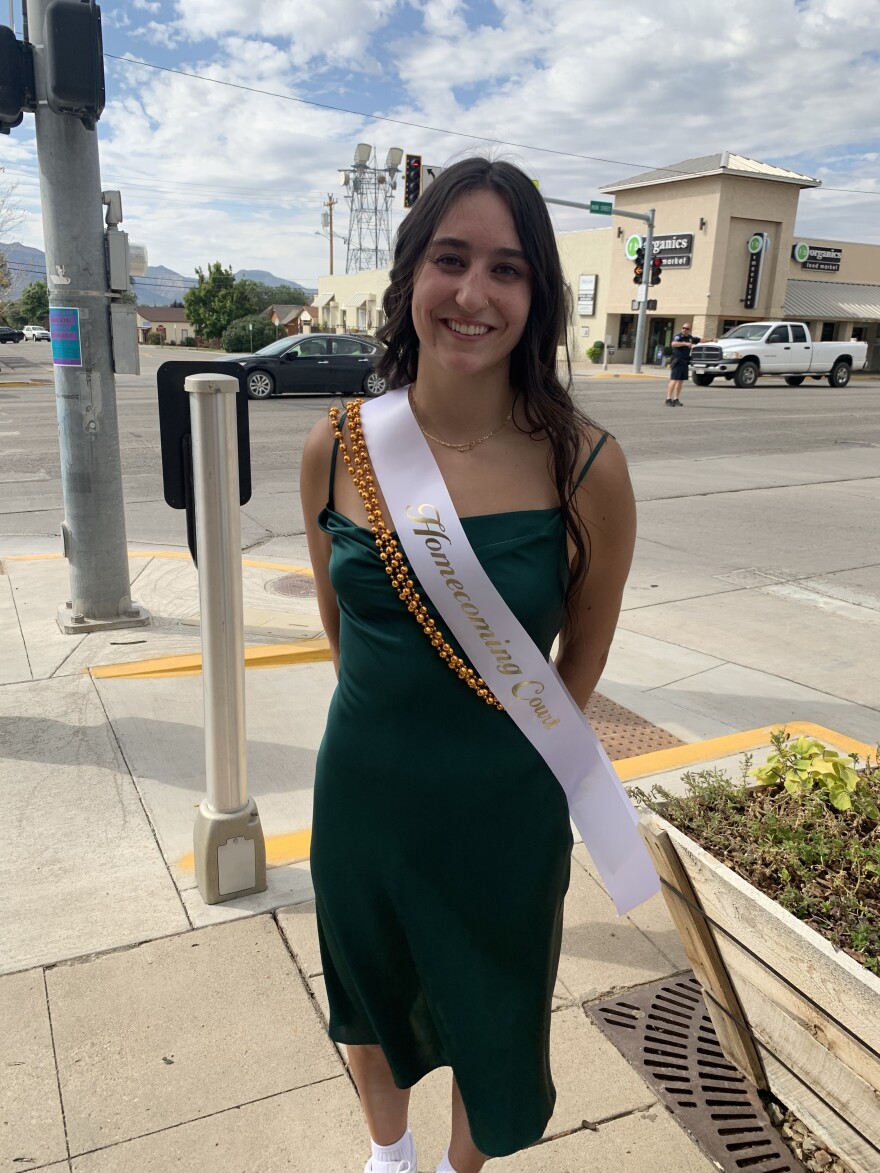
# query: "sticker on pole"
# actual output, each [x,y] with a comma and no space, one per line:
[66,339]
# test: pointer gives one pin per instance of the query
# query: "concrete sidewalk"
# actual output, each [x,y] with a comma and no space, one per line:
[146,1031]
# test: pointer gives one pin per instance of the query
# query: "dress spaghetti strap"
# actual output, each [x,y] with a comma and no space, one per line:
[333,463]
[590,458]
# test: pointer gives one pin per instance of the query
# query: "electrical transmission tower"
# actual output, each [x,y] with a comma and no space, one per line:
[369,192]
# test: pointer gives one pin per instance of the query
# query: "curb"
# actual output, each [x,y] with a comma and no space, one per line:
[307,651]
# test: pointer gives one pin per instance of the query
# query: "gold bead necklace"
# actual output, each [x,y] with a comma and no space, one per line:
[469,445]
[358,464]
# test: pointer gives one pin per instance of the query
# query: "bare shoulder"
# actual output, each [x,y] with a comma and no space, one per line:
[318,447]
[317,451]
[607,472]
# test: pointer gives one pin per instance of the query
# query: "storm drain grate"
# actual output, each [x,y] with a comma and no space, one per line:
[293,586]
[665,1033]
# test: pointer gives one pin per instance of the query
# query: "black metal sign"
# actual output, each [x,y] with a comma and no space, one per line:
[757,246]
[817,257]
[175,435]
[675,249]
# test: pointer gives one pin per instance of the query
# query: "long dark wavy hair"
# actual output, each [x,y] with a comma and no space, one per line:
[546,400]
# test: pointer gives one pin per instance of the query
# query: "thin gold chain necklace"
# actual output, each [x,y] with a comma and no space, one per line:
[469,445]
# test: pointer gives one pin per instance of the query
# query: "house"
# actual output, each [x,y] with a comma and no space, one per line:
[168,320]
[292,319]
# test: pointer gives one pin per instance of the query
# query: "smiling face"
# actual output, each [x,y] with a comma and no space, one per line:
[472,290]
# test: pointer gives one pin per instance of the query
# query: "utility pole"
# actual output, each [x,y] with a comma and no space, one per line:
[330,203]
[85,388]
[601,208]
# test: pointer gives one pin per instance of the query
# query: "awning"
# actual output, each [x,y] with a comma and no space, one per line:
[322,299]
[355,303]
[840,300]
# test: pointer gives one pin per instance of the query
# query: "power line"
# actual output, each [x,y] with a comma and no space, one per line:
[423,126]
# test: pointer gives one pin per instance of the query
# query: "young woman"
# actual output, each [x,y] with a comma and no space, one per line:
[441,840]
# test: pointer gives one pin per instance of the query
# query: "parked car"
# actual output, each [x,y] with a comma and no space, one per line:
[775,348]
[36,334]
[313,364]
[7,334]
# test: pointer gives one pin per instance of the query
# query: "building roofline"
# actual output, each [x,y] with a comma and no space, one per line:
[722,163]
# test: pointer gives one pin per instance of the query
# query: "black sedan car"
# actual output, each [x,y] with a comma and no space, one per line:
[313,364]
[7,334]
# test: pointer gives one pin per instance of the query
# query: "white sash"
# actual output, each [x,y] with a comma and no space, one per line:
[533,695]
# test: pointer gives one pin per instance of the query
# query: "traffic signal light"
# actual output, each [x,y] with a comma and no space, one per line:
[639,268]
[14,63]
[75,59]
[656,266]
[412,180]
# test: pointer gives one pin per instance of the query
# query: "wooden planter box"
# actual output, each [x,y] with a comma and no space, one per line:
[793,1013]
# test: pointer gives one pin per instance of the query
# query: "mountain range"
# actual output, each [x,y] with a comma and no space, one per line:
[160,286]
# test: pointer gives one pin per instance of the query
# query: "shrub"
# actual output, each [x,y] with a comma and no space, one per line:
[807,836]
[154,338]
[594,352]
[249,333]
[188,341]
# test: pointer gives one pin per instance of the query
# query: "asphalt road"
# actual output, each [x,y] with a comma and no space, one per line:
[770,420]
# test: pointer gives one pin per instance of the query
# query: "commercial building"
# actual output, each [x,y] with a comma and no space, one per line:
[725,229]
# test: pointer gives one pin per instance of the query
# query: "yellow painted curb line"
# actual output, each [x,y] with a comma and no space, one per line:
[306,571]
[312,651]
[295,846]
[680,756]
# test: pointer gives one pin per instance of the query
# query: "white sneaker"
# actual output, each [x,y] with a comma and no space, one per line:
[386,1167]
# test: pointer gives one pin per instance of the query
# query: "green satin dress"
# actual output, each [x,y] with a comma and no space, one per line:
[441,842]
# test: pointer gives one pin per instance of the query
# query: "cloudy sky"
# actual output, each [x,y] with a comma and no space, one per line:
[581,93]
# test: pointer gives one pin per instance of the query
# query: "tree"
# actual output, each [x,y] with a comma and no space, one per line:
[248,334]
[267,295]
[32,308]
[217,300]
[10,216]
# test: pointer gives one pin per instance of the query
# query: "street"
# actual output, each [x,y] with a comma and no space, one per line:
[770,421]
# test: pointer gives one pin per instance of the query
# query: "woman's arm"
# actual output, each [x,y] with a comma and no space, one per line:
[314,482]
[607,507]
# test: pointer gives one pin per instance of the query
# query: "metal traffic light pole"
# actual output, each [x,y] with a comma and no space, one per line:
[604,209]
[85,389]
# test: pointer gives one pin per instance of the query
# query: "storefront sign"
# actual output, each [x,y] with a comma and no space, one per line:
[633,244]
[586,306]
[675,248]
[817,257]
[757,246]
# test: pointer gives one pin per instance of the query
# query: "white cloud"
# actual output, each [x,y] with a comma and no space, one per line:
[211,172]
[147,5]
[167,35]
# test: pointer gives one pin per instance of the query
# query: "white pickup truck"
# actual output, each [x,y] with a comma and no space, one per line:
[775,348]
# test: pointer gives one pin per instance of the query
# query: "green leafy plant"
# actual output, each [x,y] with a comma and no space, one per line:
[810,841]
[806,766]
[595,352]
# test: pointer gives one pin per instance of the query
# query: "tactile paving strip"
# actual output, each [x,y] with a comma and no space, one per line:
[665,1033]
[625,734]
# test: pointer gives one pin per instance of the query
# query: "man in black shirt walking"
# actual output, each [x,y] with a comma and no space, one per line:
[681,356]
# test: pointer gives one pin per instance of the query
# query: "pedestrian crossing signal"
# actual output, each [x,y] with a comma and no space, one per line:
[412,180]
